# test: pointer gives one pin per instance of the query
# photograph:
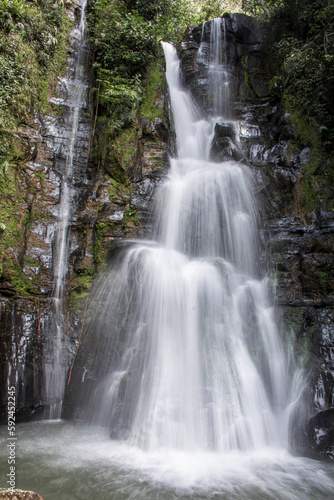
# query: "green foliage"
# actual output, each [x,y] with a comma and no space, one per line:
[131,216]
[120,97]
[215,8]
[304,52]
[148,9]
[262,8]
[18,74]
[34,25]
[307,67]
[153,79]
[33,36]
[124,44]
[305,55]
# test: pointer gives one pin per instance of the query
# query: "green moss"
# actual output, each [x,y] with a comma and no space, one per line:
[31,262]
[48,84]
[14,223]
[125,145]
[10,218]
[154,79]
[26,219]
[7,180]
[41,178]
[99,251]
[130,215]
[119,152]
[118,190]
[111,157]
[23,286]
[80,288]
[326,281]
[318,174]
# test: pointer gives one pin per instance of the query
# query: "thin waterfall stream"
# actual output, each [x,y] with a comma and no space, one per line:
[76,89]
[182,388]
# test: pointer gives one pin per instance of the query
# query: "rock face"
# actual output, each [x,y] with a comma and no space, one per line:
[298,248]
[249,66]
[104,210]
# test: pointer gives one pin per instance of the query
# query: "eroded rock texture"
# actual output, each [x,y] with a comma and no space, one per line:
[110,199]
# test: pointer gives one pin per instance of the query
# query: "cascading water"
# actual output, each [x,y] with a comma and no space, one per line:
[182,355]
[194,358]
[220,77]
[76,89]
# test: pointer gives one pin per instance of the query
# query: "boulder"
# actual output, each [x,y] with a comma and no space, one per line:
[18,495]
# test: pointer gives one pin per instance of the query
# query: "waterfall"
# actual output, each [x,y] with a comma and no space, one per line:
[76,88]
[182,329]
[180,366]
[219,73]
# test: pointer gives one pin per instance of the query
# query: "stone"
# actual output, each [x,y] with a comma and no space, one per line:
[6,494]
[321,434]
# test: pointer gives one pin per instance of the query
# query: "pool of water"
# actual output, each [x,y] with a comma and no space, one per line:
[66,461]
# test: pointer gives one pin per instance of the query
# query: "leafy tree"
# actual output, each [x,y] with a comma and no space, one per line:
[148,9]
[215,8]
[262,7]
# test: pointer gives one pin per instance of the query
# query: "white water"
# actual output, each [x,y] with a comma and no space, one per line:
[219,74]
[200,364]
[64,461]
[55,368]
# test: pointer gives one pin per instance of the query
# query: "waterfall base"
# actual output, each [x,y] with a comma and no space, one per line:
[85,464]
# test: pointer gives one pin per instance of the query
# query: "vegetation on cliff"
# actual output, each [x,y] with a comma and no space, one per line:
[303,35]
[125,35]
[125,38]
[34,41]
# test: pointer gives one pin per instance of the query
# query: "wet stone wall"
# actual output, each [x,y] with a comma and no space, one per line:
[99,219]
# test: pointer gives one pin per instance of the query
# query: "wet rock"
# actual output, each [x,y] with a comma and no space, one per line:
[246,56]
[223,143]
[26,351]
[9,494]
[321,434]
[303,255]
[224,130]
[162,131]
